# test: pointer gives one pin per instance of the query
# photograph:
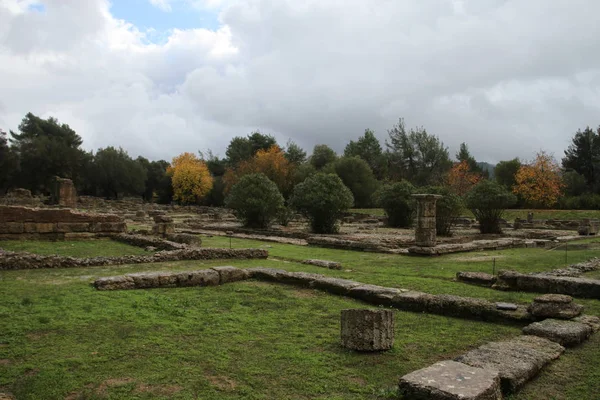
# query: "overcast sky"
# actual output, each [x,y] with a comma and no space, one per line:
[159,77]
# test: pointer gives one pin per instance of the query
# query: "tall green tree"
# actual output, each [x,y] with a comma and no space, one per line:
[506,171]
[465,155]
[116,174]
[294,153]
[417,156]
[46,149]
[244,148]
[322,155]
[369,149]
[583,156]
[158,183]
[9,163]
[356,174]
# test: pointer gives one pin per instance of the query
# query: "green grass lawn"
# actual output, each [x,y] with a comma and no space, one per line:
[510,215]
[59,337]
[79,248]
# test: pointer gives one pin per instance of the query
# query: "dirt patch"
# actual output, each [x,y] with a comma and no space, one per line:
[6,396]
[5,361]
[357,380]
[222,382]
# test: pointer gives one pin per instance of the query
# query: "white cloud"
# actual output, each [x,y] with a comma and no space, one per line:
[505,76]
[164,5]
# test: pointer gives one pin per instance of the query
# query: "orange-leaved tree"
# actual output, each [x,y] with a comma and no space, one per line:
[271,162]
[191,178]
[539,182]
[461,179]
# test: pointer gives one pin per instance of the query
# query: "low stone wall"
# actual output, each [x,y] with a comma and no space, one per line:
[22,260]
[345,244]
[148,241]
[54,223]
[577,287]
[402,299]
[476,245]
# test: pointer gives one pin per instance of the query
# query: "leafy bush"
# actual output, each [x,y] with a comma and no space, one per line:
[448,208]
[358,177]
[256,200]
[588,201]
[487,200]
[399,206]
[322,198]
[285,215]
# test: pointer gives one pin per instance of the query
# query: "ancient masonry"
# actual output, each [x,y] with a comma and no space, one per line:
[485,373]
[64,193]
[425,235]
[55,224]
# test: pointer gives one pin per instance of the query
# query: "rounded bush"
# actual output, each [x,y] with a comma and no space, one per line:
[255,200]
[322,198]
[399,206]
[487,201]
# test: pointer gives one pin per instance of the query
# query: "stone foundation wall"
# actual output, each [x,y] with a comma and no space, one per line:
[55,224]
[145,241]
[22,260]
[577,287]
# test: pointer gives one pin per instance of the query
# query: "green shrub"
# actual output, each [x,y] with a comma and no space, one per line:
[358,177]
[487,201]
[255,200]
[587,201]
[399,206]
[322,198]
[448,208]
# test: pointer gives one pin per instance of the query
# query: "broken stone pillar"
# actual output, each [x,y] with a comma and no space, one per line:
[425,235]
[588,227]
[530,217]
[367,330]
[163,225]
[64,193]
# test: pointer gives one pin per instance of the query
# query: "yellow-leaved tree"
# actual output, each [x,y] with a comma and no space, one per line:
[271,162]
[539,182]
[191,178]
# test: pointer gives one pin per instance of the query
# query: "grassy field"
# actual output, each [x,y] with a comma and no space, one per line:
[80,248]
[59,338]
[510,215]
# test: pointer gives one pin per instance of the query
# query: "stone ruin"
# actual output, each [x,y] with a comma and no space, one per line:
[367,330]
[425,234]
[55,224]
[64,193]
[588,227]
[163,225]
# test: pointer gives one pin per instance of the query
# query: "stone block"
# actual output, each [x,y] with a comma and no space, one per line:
[589,320]
[67,227]
[334,285]
[12,227]
[565,333]
[476,278]
[231,274]
[555,306]
[324,264]
[114,283]
[450,380]
[517,360]
[367,330]
[379,295]
[205,277]
[145,280]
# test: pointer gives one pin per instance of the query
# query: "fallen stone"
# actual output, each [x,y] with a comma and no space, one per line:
[334,285]
[577,287]
[517,360]
[379,295]
[590,320]
[506,306]
[324,264]
[450,380]
[566,333]
[476,278]
[555,306]
[114,283]
[367,330]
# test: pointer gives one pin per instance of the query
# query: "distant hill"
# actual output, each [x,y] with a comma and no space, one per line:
[487,167]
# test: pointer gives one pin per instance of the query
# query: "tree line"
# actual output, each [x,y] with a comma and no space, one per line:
[43,148]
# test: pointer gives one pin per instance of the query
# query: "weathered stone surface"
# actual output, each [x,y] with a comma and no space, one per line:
[334,285]
[114,283]
[64,193]
[450,380]
[145,241]
[517,360]
[231,274]
[268,274]
[495,244]
[566,333]
[506,306]
[204,277]
[367,330]
[184,238]
[162,218]
[476,278]
[324,264]
[380,295]
[555,306]
[577,287]
[425,234]
[589,320]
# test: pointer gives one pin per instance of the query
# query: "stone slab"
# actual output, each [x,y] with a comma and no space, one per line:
[476,278]
[230,274]
[517,360]
[506,306]
[450,380]
[566,333]
[323,263]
